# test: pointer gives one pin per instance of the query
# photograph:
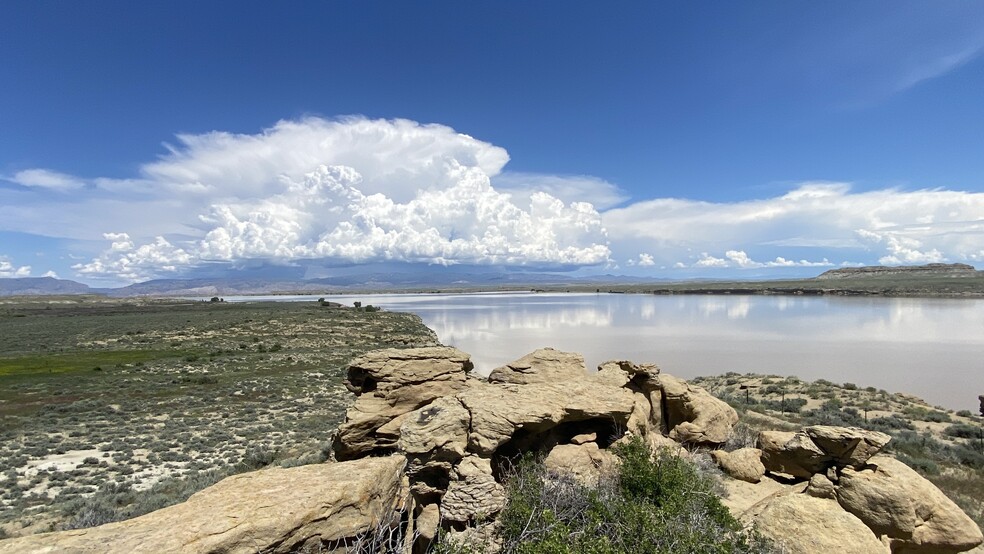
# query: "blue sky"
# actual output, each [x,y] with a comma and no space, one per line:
[671,139]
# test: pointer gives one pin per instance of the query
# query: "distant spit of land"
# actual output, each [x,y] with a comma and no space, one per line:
[931,280]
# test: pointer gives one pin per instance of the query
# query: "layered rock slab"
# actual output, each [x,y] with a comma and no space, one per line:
[803,524]
[694,416]
[390,383]
[894,500]
[498,412]
[269,511]
[545,365]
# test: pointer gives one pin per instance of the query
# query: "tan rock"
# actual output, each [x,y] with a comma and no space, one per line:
[619,372]
[739,496]
[428,522]
[473,493]
[545,365]
[803,524]
[661,443]
[744,464]
[499,411]
[586,437]
[272,510]
[694,415]
[894,500]
[586,463]
[821,487]
[643,380]
[389,384]
[791,453]
[439,430]
[847,445]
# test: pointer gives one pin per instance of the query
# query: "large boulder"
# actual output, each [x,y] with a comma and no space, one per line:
[643,380]
[498,412]
[791,453]
[803,524]
[586,463]
[740,496]
[545,365]
[694,416]
[310,507]
[847,446]
[744,464]
[389,384]
[894,500]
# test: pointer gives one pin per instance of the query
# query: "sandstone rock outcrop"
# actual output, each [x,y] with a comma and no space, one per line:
[847,446]
[817,448]
[744,464]
[272,510]
[894,500]
[693,415]
[499,412]
[389,384]
[545,365]
[791,453]
[474,493]
[586,462]
[803,524]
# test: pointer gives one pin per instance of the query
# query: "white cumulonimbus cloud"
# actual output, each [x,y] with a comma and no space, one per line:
[372,191]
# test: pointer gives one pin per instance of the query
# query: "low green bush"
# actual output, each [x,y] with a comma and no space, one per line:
[650,504]
[963,431]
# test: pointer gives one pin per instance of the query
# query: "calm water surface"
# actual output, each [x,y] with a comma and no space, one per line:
[933,348]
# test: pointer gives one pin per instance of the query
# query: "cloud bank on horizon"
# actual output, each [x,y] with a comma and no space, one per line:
[355,190]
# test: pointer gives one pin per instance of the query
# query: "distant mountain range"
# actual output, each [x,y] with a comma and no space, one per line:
[396,281]
[218,286]
[41,285]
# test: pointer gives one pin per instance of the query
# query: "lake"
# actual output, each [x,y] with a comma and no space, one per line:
[933,348]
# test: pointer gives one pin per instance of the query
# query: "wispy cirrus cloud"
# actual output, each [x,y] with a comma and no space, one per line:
[45,179]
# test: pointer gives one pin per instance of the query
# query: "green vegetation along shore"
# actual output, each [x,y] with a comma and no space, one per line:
[113,408]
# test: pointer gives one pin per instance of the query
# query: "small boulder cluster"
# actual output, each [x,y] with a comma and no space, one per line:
[828,488]
[459,431]
[819,489]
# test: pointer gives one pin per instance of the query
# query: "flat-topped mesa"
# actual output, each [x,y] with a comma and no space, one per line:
[928,270]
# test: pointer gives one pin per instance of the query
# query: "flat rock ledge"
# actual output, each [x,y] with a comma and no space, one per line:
[424,446]
[271,510]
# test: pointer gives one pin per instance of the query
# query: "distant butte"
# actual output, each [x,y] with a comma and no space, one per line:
[942,270]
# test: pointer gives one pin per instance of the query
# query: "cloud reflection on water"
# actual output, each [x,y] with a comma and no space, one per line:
[933,348]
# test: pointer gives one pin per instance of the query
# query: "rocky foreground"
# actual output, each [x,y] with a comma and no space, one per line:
[425,446]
